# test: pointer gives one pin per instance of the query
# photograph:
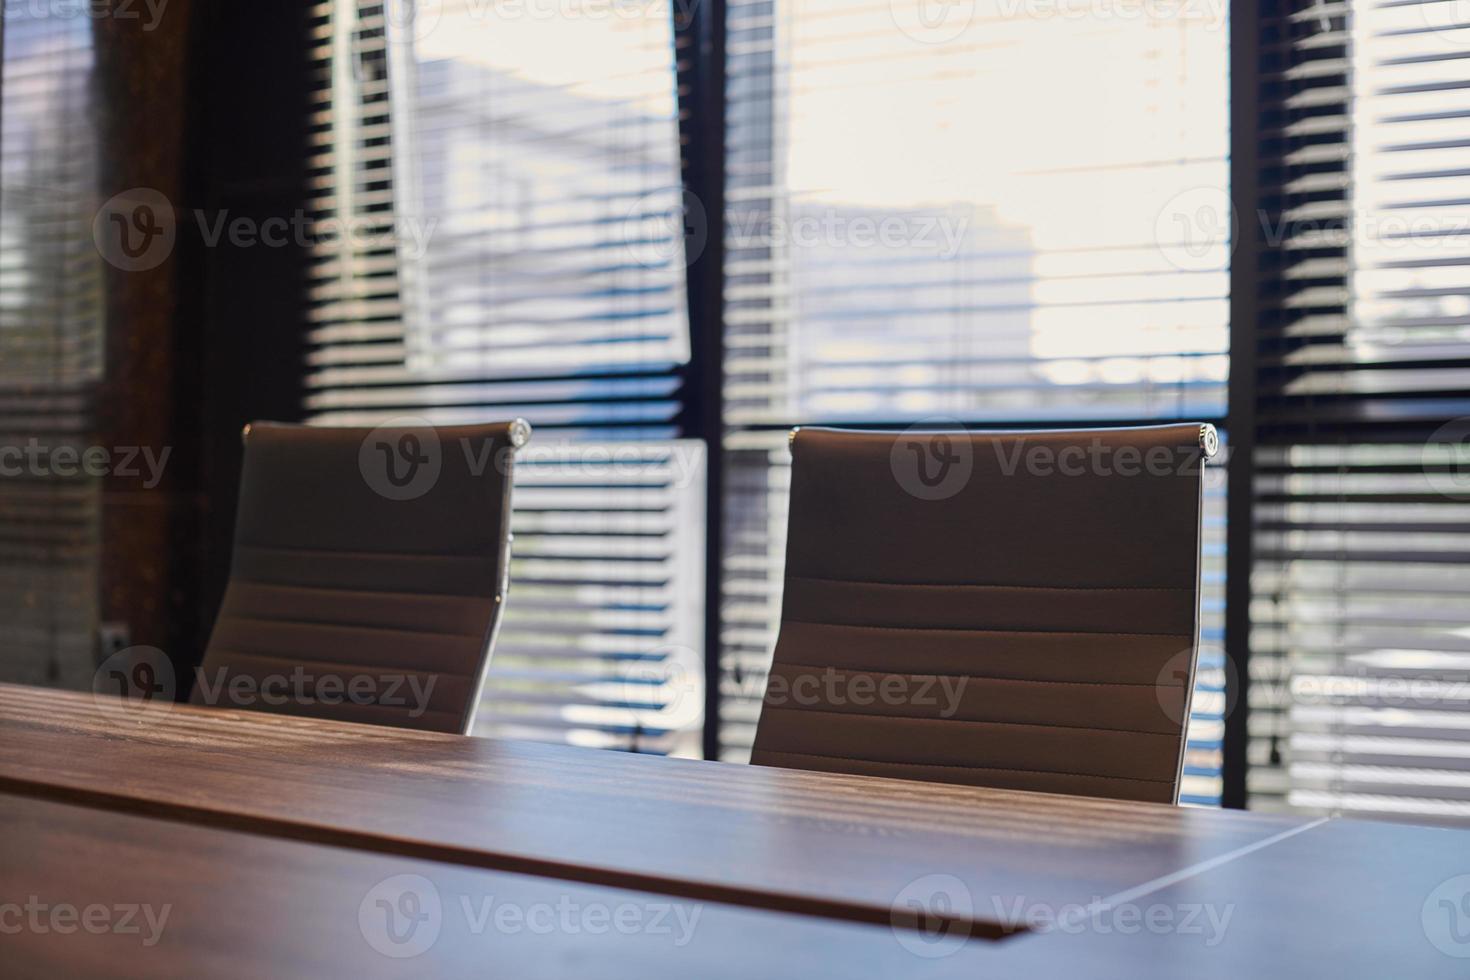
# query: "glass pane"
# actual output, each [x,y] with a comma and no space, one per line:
[994,212]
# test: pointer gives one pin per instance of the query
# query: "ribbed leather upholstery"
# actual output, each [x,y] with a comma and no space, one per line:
[330,575]
[1062,608]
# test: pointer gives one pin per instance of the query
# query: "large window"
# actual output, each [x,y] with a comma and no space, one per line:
[928,218]
[499,236]
[1360,638]
[991,213]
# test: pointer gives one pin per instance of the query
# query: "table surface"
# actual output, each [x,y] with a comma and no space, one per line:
[747,844]
[192,901]
[834,845]
[1348,899]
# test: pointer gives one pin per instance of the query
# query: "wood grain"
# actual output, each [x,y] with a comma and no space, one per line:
[847,847]
[210,902]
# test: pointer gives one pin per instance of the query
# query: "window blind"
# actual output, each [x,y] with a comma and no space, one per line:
[51,337]
[1359,645]
[1038,271]
[603,636]
[510,242]
[903,242]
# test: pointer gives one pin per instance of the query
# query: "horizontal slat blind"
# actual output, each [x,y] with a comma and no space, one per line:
[51,338]
[757,485]
[602,638]
[901,242]
[1407,349]
[1304,212]
[512,181]
[1363,607]
[517,246]
[1303,288]
[923,220]
[1363,514]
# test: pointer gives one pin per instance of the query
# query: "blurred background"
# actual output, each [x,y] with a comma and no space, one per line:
[665,231]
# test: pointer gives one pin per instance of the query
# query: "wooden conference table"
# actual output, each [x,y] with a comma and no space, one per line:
[282,846]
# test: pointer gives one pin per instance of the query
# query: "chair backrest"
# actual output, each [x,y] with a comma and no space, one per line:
[1008,609]
[368,575]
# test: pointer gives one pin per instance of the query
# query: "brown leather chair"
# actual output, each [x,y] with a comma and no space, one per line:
[369,570]
[1007,609]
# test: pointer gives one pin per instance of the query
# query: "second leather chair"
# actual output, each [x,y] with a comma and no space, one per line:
[1014,609]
